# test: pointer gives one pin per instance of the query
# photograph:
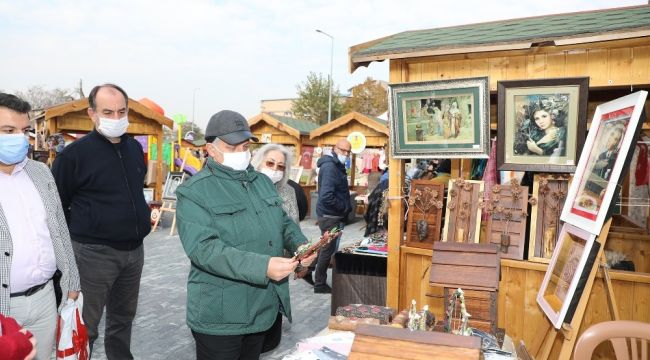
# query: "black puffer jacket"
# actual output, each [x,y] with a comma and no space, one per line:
[333,191]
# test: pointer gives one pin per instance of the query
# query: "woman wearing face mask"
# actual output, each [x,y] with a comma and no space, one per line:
[274,161]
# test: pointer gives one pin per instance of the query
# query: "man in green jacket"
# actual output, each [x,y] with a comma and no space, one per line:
[233,229]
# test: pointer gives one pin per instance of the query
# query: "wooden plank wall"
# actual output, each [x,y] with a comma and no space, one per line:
[373,138]
[612,67]
[277,136]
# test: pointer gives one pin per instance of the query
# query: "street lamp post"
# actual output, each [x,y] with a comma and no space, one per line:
[329,109]
[193,106]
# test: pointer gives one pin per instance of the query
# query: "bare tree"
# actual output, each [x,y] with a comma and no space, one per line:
[41,98]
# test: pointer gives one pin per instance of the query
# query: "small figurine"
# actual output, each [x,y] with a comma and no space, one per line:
[414,317]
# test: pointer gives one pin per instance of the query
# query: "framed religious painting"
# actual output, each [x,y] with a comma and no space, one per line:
[566,274]
[440,119]
[605,156]
[541,124]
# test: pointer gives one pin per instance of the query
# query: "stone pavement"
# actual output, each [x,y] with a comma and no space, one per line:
[159,330]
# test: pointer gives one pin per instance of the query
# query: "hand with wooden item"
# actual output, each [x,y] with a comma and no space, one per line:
[307,252]
[280,267]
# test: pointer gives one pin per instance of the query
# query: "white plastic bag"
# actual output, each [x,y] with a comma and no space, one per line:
[71,333]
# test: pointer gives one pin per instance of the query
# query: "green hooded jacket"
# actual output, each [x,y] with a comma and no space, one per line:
[230,224]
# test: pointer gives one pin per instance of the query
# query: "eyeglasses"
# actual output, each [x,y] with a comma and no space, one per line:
[345,152]
[273,165]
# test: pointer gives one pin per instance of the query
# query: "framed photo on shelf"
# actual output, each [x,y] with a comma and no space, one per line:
[604,157]
[148,194]
[296,173]
[173,180]
[549,195]
[440,119]
[562,286]
[463,212]
[541,124]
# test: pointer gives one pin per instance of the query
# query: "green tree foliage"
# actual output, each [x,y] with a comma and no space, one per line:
[369,98]
[313,100]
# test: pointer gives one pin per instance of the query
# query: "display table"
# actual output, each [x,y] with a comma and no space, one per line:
[358,279]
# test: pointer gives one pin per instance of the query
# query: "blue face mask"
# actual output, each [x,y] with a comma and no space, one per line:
[342,158]
[13,148]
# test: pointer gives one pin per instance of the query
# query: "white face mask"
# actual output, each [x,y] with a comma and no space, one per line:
[237,160]
[274,175]
[113,128]
[342,158]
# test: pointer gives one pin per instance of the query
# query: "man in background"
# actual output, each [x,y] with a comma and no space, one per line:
[332,208]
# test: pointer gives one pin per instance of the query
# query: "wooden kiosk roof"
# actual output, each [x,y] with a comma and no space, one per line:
[503,35]
[72,116]
[370,126]
[291,126]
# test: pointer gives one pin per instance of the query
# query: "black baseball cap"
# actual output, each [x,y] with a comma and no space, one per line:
[229,126]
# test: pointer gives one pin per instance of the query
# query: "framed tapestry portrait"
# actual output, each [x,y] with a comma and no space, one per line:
[612,133]
[440,119]
[541,124]
[565,276]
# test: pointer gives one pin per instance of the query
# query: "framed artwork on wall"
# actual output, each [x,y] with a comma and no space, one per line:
[566,274]
[604,157]
[541,124]
[440,119]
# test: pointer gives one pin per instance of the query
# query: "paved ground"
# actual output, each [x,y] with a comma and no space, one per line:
[160,331]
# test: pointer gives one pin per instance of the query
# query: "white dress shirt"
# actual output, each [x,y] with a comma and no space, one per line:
[33,261]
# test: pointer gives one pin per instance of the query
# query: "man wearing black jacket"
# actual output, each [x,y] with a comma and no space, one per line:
[100,179]
[332,207]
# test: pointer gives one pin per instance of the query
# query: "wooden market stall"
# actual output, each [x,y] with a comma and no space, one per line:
[374,129]
[611,47]
[72,117]
[282,130]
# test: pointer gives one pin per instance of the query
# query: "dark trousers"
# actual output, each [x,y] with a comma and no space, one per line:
[229,347]
[110,278]
[326,252]
[273,335]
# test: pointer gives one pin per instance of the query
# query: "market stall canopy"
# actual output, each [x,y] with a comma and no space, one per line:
[375,129]
[73,117]
[288,125]
[514,34]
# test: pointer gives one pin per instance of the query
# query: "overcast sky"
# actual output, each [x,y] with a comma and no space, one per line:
[235,52]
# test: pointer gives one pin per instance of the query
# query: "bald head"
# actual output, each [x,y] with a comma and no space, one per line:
[343,144]
[343,147]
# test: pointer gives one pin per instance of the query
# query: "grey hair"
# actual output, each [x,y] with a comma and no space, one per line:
[258,160]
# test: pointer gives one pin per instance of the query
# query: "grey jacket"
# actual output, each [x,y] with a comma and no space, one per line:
[65,262]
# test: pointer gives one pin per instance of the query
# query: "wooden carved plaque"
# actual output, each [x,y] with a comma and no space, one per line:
[425,213]
[549,195]
[463,213]
[506,206]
